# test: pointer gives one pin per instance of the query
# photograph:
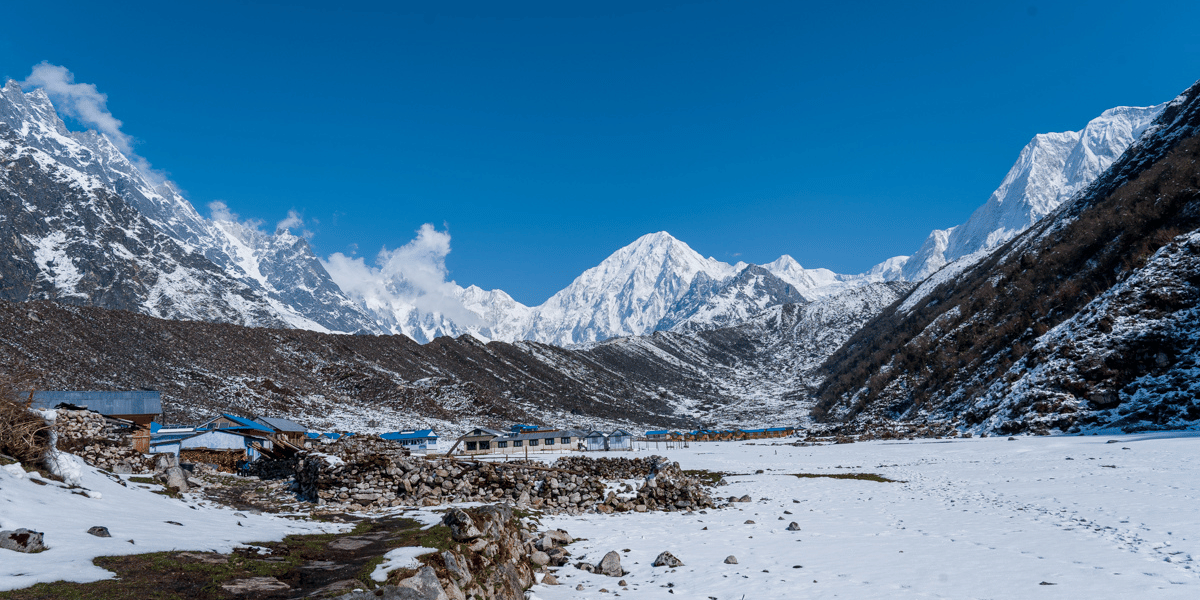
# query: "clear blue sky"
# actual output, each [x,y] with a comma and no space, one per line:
[545,135]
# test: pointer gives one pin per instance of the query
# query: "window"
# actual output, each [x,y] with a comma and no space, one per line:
[501,444]
[485,445]
[549,441]
[532,442]
[516,443]
[471,445]
[565,440]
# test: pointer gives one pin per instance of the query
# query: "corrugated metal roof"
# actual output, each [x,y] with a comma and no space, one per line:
[282,424]
[537,435]
[409,435]
[105,403]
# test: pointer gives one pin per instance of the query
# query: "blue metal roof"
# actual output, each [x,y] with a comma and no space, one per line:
[659,432]
[105,403]
[409,435]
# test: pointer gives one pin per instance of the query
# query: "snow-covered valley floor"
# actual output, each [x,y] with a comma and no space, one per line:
[1038,517]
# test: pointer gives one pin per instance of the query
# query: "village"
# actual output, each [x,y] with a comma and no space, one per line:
[230,442]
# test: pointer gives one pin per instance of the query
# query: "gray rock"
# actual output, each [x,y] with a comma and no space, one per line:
[745,498]
[462,526]
[176,478]
[99,531]
[731,560]
[666,559]
[255,585]
[165,461]
[425,583]
[793,526]
[550,579]
[610,565]
[539,558]
[122,468]
[458,569]
[748,522]
[22,540]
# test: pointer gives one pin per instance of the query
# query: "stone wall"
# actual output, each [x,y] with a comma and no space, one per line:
[91,437]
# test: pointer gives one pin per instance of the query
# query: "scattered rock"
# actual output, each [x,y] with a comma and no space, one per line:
[748,522]
[793,526]
[550,579]
[610,565]
[22,540]
[623,583]
[731,560]
[666,559]
[579,587]
[745,498]
[539,558]
[99,531]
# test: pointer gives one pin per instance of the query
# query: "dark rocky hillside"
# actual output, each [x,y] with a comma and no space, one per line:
[987,348]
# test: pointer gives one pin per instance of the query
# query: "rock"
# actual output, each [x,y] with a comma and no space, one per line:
[426,584]
[745,498]
[748,522]
[623,583]
[99,531]
[350,543]
[165,461]
[640,508]
[457,568]
[666,559]
[22,540]
[793,526]
[583,566]
[176,478]
[579,587]
[255,585]
[610,565]
[123,468]
[462,526]
[539,558]
[550,579]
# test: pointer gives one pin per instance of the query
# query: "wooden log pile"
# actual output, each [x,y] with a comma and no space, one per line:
[225,461]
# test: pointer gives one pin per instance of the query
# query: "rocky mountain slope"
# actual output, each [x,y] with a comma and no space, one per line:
[82,180]
[1083,321]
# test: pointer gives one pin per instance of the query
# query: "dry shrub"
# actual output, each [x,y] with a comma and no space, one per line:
[24,435]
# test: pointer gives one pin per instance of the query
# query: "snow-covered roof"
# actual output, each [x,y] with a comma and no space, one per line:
[281,424]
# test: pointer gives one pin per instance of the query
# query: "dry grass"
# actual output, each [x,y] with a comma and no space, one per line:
[24,435]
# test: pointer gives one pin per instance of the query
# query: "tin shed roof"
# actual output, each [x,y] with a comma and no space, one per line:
[105,403]
[281,424]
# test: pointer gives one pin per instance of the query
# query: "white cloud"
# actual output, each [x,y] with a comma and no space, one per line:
[413,275]
[292,221]
[84,103]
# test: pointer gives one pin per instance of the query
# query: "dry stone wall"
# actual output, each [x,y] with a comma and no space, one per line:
[355,480]
[90,436]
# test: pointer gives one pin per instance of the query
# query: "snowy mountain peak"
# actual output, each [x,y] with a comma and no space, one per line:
[1051,169]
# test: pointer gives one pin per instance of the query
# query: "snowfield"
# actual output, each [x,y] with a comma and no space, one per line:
[1038,517]
[139,521]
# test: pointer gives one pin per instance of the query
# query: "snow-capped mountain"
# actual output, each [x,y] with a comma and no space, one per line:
[1086,320]
[276,278]
[712,305]
[1051,169]
[628,293]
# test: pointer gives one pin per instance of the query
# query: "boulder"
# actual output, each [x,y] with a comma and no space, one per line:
[457,568]
[176,478]
[22,540]
[462,526]
[99,531]
[610,565]
[731,560]
[550,579]
[793,526]
[426,584]
[539,558]
[666,559]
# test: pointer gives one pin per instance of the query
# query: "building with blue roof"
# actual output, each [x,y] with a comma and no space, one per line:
[419,439]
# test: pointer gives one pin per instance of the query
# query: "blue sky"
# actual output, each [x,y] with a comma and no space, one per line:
[545,135]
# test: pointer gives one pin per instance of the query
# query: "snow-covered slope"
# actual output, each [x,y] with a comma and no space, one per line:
[713,305]
[278,280]
[1052,168]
